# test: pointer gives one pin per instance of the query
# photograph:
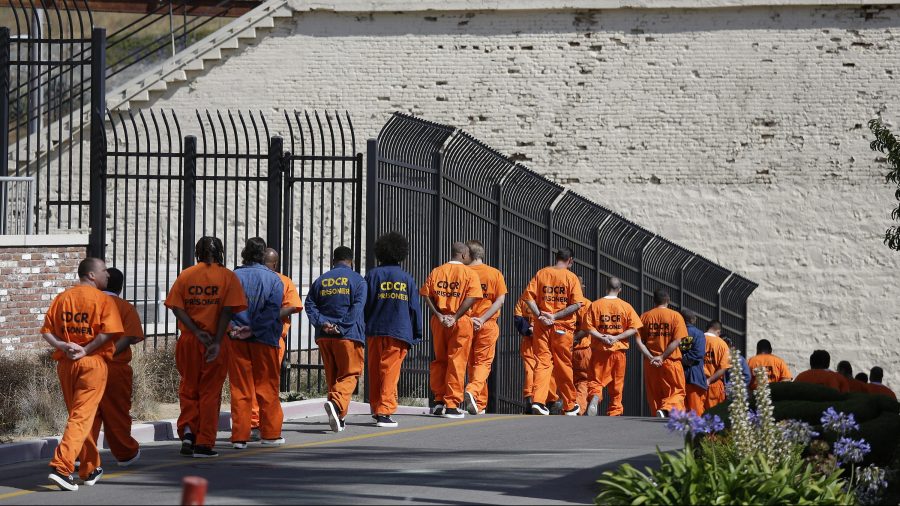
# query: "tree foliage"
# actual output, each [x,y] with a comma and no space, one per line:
[886,143]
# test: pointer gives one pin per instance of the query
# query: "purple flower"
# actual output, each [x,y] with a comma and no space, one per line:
[851,450]
[838,422]
[753,417]
[689,422]
[797,432]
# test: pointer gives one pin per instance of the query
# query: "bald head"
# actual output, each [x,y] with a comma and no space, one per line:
[93,271]
[270,259]
[460,252]
[613,286]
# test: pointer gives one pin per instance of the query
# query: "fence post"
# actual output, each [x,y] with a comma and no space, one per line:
[437,216]
[276,185]
[493,383]
[97,214]
[4,120]
[371,201]
[189,202]
[549,218]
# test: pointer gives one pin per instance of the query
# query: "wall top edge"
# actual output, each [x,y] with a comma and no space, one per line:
[366,6]
[24,241]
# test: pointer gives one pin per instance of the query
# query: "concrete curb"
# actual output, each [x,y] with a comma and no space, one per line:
[166,430]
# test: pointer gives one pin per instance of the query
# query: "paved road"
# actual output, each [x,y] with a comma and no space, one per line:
[499,459]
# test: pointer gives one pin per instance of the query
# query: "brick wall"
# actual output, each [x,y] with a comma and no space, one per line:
[30,276]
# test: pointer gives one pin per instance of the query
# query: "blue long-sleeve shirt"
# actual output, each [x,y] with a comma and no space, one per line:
[393,307]
[745,368]
[338,297]
[264,291]
[693,349]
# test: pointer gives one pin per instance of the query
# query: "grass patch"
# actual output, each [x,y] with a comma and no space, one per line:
[31,403]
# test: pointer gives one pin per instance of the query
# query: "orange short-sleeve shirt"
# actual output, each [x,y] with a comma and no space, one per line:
[131,323]
[776,368]
[290,298]
[718,355]
[203,291]
[824,377]
[660,327]
[449,285]
[613,316]
[581,325]
[554,289]
[492,286]
[879,389]
[78,315]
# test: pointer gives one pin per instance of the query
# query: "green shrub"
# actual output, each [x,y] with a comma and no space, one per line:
[683,479]
[883,434]
[792,391]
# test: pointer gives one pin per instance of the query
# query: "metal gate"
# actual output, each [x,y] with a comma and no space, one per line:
[437,184]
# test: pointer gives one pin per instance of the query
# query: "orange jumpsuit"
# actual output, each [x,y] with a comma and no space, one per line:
[115,408]
[775,367]
[717,357]
[79,315]
[581,359]
[665,384]
[824,377]
[484,341]
[291,299]
[529,362]
[553,289]
[612,316]
[203,291]
[448,286]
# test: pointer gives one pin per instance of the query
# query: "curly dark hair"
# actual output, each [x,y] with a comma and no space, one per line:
[391,248]
[210,250]
[254,251]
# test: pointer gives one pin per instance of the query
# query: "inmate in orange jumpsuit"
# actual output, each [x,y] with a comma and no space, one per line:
[824,377]
[529,362]
[717,357]
[664,384]
[79,315]
[553,289]
[775,367]
[203,291]
[581,359]
[448,286]
[115,408]
[611,316]
[291,299]
[484,341]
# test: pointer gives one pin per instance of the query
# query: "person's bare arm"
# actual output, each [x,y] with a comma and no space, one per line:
[670,349]
[433,308]
[625,335]
[570,309]
[56,342]
[287,311]
[643,348]
[532,306]
[465,306]
[183,317]
[124,343]
[493,309]
[98,341]
[716,376]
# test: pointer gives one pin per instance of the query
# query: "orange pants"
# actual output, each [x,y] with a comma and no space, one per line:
[343,360]
[484,346]
[82,383]
[581,375]
[254,413]
[255,375]
[715,394]
[608,370]
[665,385]
[115,413]
[451,352]
[200,390]
[386,356]
[526,350]
[695,398]
[554,359]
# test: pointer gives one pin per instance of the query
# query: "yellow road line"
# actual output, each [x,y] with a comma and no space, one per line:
[256,451]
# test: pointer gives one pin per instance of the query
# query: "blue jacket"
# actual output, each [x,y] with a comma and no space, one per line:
[338,297]
[393,307]
[264,291]
[745,368]
[693,350]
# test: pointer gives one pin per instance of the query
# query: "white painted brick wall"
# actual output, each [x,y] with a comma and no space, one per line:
[738,133]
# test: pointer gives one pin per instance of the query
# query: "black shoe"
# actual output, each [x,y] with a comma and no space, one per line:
[539,409]
[528,403]
[556,407]
[343,424]
[187,445]
[62,481]
[93,477]
[438,409]
[384,421]
[204,452]
[574,411]
[593,407]
[662,413]
[255,435]
[454,413]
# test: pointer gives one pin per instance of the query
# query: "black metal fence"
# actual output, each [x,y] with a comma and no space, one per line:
[163,188]
[436,184]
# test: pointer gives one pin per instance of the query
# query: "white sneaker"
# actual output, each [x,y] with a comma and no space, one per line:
[239,445]
[574,411]
[438,410]
[471,404]
[593,407]
[454,413]
[273,442]
[662,413]
[334,421]
[94,477]
[134,459]
[539,409]
[63,482]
